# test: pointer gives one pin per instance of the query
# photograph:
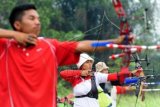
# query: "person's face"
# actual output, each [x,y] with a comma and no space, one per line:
[87,65]
[29,23]
[105,71]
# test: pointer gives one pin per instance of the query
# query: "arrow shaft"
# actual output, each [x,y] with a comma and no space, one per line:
[147,90]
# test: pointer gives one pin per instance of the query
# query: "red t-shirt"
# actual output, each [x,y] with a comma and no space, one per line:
[28,76]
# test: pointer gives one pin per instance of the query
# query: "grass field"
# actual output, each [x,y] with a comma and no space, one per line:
[152,99]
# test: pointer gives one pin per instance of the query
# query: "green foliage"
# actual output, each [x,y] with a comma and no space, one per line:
[5,8]
[114,66]
[63,36]
[64,88]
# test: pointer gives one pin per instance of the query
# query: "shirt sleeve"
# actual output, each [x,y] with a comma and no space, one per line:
[101,77]
[120,90]
[66,52]
[119,76]
[70,75]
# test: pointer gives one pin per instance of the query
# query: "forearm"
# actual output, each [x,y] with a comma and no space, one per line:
[119,76]
[124,89]
[20,37]
[7,33]
[86,46]
[70,73]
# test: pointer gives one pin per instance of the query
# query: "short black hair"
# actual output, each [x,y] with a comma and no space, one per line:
[17,13]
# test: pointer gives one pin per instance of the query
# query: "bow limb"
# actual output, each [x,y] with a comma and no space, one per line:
[124,25]
[118,8]
[125,29]
[142,86]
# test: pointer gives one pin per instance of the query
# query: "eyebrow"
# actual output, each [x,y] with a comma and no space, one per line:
[33,16]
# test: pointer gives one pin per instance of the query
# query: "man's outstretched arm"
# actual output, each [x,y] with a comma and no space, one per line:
[86,46]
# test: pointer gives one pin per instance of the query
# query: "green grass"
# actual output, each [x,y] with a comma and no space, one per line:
[152,99]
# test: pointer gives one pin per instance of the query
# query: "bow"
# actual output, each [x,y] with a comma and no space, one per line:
[140,86]
[125,29]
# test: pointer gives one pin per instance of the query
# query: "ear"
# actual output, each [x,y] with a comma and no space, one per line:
[17,25]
